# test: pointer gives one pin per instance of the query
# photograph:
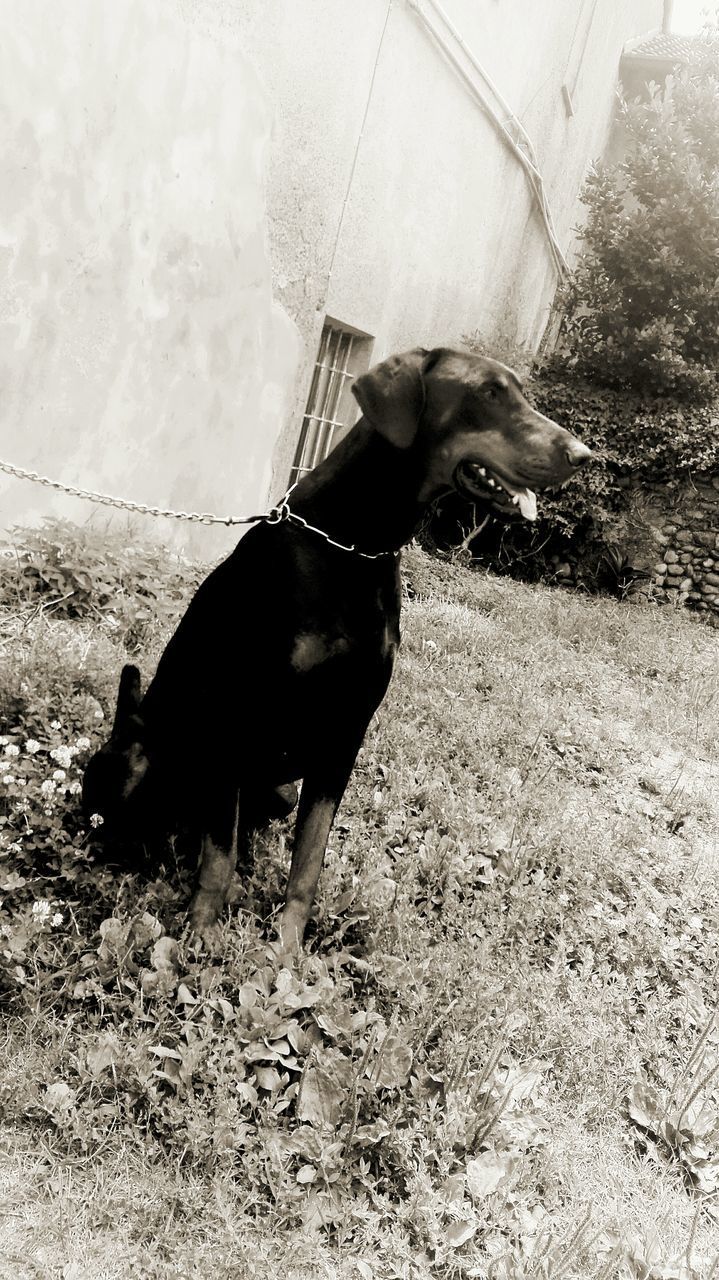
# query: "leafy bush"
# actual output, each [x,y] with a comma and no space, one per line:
[642,307]
[634,438]
[82,571]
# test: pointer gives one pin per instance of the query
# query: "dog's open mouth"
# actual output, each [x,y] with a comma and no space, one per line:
[474,481]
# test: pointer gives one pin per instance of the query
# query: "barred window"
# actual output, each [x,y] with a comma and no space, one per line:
[331,407]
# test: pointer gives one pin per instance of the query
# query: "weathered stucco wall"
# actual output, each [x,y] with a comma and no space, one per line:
[140,347]
[141,352]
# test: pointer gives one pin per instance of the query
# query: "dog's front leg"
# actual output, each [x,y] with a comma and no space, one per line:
[322,791]
[218,858]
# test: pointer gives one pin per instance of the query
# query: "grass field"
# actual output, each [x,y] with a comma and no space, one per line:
[498,1056]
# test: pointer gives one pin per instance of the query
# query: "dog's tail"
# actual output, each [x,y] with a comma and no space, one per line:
[129,697]
[115,772]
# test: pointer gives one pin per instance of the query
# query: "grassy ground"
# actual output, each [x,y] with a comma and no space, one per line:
[499,1055]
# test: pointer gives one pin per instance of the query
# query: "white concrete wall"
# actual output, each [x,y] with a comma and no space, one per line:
[141,351]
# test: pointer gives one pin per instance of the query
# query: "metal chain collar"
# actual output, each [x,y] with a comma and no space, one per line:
[286,514]
[276,516]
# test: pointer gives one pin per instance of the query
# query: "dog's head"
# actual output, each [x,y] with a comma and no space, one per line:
[114,776]
[471,423]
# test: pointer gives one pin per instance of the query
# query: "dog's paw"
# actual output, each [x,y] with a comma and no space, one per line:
[291,930]
[205,912]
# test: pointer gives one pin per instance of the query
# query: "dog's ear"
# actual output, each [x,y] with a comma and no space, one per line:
[129,696]
[391,395]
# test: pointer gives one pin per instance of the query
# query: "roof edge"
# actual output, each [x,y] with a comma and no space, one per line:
[635,41]
[662,47]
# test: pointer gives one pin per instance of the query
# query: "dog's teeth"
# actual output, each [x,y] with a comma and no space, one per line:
[515,500]
[482,471]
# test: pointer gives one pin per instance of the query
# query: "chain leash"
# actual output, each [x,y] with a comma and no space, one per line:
[277,515]
[123,504]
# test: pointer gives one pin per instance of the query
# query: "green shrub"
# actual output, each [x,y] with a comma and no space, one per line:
[633,436]
[83,571]
[642,307]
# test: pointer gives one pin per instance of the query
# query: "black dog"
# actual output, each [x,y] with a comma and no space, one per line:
[287,648]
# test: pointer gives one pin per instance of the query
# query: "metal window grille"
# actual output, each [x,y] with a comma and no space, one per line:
[330,407]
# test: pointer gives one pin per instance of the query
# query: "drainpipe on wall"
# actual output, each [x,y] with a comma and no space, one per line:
[668,13]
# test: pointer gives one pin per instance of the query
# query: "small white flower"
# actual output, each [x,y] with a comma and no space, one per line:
[75,788]
[12,750]
[63,756]
[21,782]
[99,714]
[55,724]
[47,787]
[96,820]
[57,919]
[41,909]
[32,747]
[4,740]
[4,766]
[83,744]
[59,775]
[8,779]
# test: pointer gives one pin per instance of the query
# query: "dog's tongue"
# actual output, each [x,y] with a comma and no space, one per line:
[525,499]
[527,503]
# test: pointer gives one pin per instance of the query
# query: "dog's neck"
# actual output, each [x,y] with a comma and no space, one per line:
[364,494]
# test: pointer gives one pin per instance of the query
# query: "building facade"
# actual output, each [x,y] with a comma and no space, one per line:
[215,212]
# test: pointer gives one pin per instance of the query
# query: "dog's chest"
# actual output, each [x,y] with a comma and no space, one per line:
[313,649]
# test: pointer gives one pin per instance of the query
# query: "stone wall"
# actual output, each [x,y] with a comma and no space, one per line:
[686,534]
[670,534]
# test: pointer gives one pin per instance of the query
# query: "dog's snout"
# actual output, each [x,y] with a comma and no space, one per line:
[577,454]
